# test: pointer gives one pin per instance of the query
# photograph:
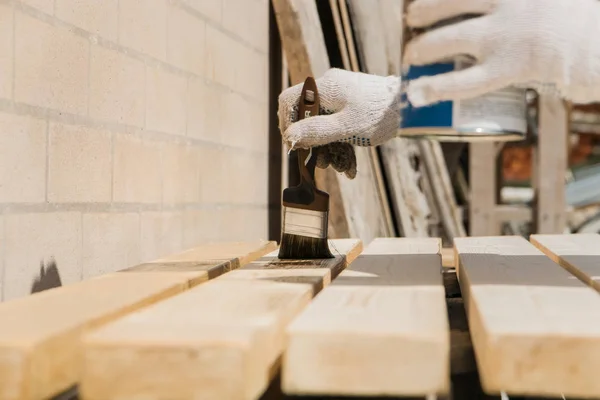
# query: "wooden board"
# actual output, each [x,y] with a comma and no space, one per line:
[535,329]
[380,328]
[221,340]
[579,254]
[39,338]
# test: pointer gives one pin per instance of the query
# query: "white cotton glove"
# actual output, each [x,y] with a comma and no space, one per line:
[529,43]
[355,109]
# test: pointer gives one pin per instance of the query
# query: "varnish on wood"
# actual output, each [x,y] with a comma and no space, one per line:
[40,352]
[495,116]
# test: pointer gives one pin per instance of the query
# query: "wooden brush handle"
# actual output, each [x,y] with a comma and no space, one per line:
[308,108]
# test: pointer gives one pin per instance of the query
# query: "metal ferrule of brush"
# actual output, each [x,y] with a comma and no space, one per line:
[306,223]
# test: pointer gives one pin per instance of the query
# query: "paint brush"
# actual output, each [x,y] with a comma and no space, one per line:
[305,208]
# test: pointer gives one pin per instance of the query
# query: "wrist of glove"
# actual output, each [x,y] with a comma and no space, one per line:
[356,109]
[544,44]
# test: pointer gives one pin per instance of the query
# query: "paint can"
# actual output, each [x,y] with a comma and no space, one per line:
[495,116]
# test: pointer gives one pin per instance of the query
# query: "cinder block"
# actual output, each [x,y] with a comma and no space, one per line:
[162,234]
[22,159]
[237,17]
[136,170]
[35,241]
[221,57]
[97,17]
[197,105]
[165,101]
[51,66]
[205,111]
[211,9]
[248,180]
[143,27]
[45,6]
[80,164]
[117,87]
[200,226]
[111,242]
[6,51]
[239,131]
[249,20]
[181,172]
[2,244]
[186,40]
[218,186]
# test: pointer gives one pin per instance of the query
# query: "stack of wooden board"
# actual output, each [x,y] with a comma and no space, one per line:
[227,321]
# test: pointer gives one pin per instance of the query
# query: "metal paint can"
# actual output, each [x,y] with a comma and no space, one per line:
[495,116]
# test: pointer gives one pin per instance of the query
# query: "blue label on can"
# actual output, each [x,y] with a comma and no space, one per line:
[438,115]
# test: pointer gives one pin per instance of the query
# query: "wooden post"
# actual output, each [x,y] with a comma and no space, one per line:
[550,160]
[482,179]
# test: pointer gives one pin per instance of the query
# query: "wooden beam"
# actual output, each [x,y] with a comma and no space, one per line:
[535,328]
[40,335]
[482,180]
[220,340]
[380,328]
[577,253]
[551,163]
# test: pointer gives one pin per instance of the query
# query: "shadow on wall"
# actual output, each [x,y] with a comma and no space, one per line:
[48,278]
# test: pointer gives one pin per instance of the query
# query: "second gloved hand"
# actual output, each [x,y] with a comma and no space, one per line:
[355,109]
[537,43]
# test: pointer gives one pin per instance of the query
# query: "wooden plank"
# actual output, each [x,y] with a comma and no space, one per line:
[379,329]
[551,163]
[482,202]
[228,255]
[39,339]
[535,329]
[578,253]
[221,340]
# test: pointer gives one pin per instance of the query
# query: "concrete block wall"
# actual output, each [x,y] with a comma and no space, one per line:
[129,129]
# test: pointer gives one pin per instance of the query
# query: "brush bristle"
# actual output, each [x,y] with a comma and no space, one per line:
[303,248]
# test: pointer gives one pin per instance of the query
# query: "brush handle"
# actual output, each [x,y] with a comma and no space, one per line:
[308,107]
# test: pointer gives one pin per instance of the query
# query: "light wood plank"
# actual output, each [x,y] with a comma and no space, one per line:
[551,163]
[221,340]
[39,339]
[535,329]
[482,202]
[380,328]
[578,253]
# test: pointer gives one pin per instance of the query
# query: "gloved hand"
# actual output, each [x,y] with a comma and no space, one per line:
[543,44]
[355,109]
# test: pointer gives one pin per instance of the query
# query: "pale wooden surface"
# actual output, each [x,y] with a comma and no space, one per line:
[221,340]
[39,338]
[535,328]
[482,201]
[380,328]
[578,253]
